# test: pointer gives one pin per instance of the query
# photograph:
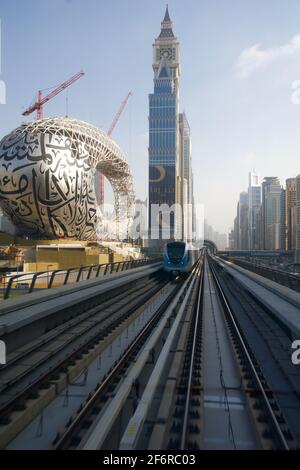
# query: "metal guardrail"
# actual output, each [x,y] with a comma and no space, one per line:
[59,277]
[281,277]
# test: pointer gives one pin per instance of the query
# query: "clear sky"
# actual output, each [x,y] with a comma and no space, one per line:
[239,60]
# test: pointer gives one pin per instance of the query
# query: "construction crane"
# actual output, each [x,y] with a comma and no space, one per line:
[38,105]
[117,116]
[110,131]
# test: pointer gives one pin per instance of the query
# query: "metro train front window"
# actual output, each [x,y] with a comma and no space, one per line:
[175,251]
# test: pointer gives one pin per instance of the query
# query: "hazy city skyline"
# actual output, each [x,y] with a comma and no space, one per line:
[150,229]
[238,61]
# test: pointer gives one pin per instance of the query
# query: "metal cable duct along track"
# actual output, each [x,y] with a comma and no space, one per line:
[47,174]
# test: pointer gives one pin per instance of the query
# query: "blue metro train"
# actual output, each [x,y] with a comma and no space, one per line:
[179,257]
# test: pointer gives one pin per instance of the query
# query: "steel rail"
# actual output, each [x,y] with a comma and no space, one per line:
[190,377]
[134,427]
[7,407]
[64,440]
[72,322]
[245,349]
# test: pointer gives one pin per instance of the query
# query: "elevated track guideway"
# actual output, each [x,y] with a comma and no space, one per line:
[199,363]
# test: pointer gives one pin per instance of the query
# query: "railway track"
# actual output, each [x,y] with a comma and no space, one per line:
[33,368]
[100,422]
[65,333]
[151,426]
[270,425]
[207,407]
[269,347]
[200,373]
[215,395]
[233,408]
[188,397]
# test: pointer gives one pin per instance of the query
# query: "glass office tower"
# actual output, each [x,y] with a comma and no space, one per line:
[163,135]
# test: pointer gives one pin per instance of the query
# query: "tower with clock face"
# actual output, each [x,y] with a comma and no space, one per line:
[164,164]
[166,46]
[170,203]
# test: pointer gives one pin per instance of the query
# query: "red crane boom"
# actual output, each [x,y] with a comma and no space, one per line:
[110,131]
[117,116]
[38,105]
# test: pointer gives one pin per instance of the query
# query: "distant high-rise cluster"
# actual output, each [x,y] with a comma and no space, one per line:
[170,168]
[220,239]
[268,215]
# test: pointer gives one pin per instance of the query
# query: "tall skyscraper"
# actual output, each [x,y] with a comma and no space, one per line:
[231,240]
[297,258]
[164,133]
[254,203]
[291,213]
[271,213]
[282,243]
[259,231]
[236,233]
[185,181]
[242,216]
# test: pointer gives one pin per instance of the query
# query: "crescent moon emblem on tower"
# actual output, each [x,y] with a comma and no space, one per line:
[162,174]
